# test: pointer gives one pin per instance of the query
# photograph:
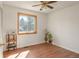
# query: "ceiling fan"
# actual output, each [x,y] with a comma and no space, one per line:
[45,4]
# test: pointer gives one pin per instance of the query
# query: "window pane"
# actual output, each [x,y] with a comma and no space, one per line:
[27,23]
[31,24]
[23,23]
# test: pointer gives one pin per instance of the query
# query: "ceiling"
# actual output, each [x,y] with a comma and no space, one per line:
[28,5]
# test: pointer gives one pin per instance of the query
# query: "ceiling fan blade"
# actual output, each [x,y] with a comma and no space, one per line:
[42,1]
[51,2]
[36,5]
[49,6]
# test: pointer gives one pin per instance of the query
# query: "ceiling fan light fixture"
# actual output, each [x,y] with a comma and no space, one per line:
[45,5]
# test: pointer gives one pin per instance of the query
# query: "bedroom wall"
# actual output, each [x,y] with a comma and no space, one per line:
[0,27]
[64,26]
[10,24]
[1,41]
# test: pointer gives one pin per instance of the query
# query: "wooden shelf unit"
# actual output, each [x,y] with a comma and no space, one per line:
[11,40]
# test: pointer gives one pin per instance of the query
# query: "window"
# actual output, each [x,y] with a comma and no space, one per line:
[27,24]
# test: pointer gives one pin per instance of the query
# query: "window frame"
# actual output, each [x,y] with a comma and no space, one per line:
[34,32]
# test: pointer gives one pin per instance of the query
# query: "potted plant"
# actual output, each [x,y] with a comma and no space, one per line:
[49,36]
[46,39]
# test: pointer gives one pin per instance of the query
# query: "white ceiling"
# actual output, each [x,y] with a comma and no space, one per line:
[29,4]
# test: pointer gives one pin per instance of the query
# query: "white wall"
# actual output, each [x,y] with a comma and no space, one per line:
[0,27]
[10,24]
[1,41]
[64,26]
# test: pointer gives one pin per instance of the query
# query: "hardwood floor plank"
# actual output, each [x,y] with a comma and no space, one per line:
[41,51]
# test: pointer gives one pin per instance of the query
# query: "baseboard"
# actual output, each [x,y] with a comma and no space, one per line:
[65,48]
[28,45]
[32,44]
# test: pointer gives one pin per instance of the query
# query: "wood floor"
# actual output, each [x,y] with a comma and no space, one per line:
[41,51]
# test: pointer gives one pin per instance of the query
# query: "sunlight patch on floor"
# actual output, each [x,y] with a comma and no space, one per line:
[13,56]
[23,54]
[19,55]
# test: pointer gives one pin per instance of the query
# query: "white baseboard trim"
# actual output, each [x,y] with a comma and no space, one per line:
[30,44]
[66,48]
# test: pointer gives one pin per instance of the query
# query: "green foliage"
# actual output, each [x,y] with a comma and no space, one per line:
[49,36]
